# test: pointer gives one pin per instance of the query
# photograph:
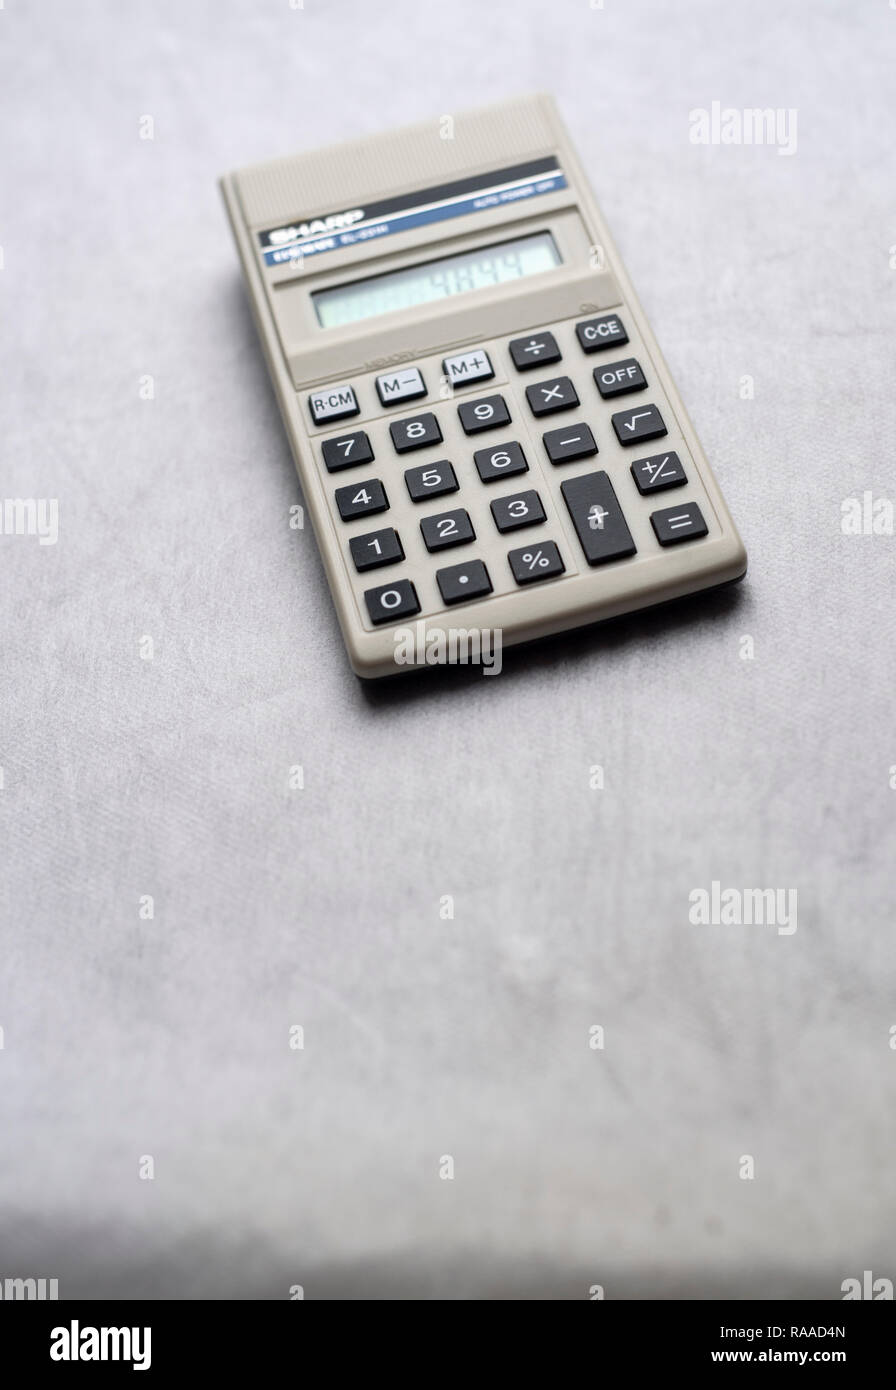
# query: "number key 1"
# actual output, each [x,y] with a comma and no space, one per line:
[376,548]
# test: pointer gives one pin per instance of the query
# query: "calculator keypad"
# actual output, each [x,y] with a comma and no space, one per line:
[578,491]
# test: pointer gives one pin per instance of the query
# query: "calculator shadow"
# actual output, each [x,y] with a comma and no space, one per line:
[581,645]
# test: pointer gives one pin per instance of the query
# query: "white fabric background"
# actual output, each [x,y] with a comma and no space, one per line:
[125,777]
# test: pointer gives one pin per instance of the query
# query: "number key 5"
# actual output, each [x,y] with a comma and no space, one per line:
[430,480]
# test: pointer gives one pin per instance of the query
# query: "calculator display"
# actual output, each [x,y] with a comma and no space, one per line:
[433,280]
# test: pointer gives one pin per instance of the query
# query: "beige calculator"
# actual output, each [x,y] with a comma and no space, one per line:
[486,434]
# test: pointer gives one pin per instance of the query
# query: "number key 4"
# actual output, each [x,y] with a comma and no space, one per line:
[361,499]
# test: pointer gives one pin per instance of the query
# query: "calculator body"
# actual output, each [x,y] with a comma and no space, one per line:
[487,436]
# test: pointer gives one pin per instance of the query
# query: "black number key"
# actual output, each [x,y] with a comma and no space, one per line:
[430,480]
[415,432]
[360,499]
[346,451]
[642,422]
[390,602]
[486,414]
[597,517]
[448,528]
[522,509]
[375,548]
[501,462]
[548,396]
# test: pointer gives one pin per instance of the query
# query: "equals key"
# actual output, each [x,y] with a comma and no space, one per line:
[683,523]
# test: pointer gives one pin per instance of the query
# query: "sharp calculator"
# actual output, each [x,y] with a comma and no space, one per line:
[485,431]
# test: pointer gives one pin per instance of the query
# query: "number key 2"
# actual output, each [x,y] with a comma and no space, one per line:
[449,528]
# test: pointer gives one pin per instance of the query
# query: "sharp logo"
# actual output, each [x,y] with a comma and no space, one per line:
[334,223]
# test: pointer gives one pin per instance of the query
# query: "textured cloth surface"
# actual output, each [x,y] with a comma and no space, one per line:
[128,777]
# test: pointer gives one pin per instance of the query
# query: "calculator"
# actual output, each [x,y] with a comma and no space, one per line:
[486,434]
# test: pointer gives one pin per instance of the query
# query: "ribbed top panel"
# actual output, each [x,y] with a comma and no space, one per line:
[348,175]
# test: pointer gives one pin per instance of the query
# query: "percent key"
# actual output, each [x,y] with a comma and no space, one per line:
[533,562]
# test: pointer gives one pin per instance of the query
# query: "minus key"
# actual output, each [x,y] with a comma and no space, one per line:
[567,445]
